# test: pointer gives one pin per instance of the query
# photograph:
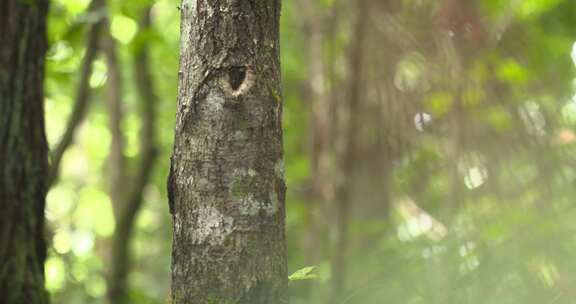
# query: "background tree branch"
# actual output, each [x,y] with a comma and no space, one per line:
[82,99]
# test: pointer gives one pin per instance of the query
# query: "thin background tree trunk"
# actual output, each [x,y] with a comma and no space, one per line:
[226,185]
[350,128]
[116,163]
[23,151]
[317,23]
[128,200]
[315,93]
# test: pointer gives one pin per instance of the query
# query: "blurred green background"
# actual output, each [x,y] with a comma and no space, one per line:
[448,127]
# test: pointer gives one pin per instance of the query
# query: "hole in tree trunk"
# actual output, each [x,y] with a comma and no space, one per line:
[236,76]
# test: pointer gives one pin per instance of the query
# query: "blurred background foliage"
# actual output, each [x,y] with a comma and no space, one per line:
[429,149]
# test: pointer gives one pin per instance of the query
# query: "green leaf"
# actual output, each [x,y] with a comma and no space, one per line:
[304,274]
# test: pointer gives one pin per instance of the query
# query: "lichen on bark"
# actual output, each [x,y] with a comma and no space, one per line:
[226,182]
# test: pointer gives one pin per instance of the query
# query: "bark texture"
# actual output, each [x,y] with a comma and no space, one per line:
[226,185]
[23,151]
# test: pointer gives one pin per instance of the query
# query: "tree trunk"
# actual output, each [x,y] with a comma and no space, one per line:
[226,184]
[321,149]
[132,197]
[23,151]
[350,128]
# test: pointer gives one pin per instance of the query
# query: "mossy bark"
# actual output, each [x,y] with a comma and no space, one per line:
[226,185]
[23,151]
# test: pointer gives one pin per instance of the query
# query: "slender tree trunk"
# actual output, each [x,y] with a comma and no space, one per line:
[347,157]
[23,151]
[116,165]
[226,184]
[317,24]
[132,198]
[321,160]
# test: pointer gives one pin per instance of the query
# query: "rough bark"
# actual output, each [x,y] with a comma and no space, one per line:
[23,151]
[226,186]
[132,198]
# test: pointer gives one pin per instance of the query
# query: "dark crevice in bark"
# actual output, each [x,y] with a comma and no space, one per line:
[236,76]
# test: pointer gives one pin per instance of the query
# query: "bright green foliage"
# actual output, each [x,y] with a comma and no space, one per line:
[482,194]
[303,274]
